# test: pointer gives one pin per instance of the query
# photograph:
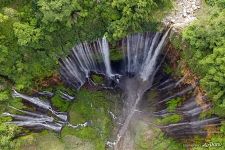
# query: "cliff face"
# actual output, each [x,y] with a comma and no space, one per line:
[184,13]
[179,64]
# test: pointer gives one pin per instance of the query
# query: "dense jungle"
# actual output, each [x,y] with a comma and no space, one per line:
[112,74]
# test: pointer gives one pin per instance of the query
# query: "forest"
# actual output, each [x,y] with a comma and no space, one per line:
[36,34]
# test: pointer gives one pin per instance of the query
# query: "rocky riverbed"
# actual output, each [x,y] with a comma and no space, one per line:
[183,14]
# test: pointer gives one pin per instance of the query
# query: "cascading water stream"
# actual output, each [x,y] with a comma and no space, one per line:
[105,52]
[86,58]
[150,62]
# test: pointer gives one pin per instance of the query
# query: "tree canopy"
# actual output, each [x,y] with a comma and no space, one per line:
[35,33]
[207,40]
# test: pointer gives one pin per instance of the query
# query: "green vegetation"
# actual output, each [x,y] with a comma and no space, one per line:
[206,53]
[51,141]
[202,45]
[167,69]
[34,34]
[58,102]
[7,133]
[173,104]
[170,119]
[97,79]
[142,136]
[149,137]
[215,143]
[91,106]
[161,141]
[116,54]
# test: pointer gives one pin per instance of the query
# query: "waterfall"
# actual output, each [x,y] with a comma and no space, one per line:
[150,62]
[105,51]
[39,103]
[141,52]
[135,47]
[85,58]
[46,119]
